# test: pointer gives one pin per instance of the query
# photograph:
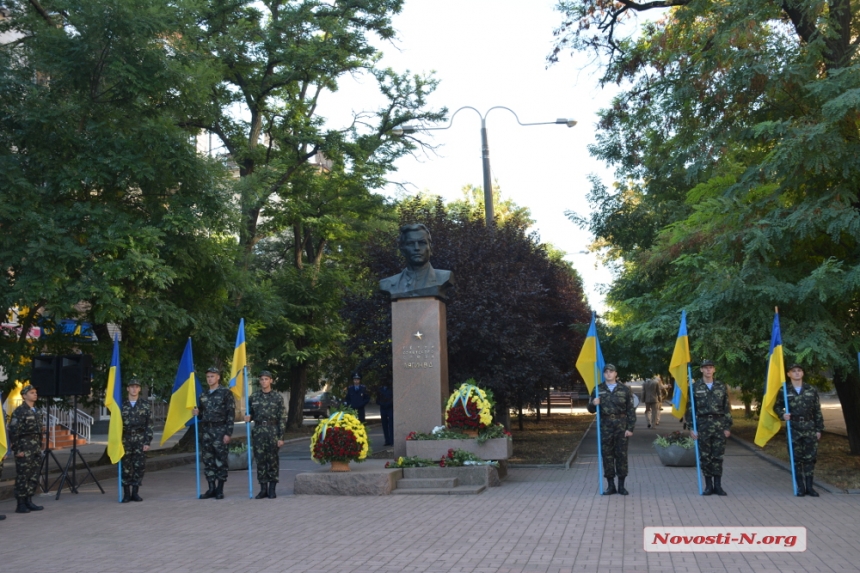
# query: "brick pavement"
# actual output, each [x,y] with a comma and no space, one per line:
[540,520]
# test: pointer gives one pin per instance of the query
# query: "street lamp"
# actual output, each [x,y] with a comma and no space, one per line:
[485,146]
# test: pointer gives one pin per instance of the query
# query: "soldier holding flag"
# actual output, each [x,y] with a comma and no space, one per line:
[713,420]
[617,420]
[266,410]
[215,413]
[807,423]
[136,437]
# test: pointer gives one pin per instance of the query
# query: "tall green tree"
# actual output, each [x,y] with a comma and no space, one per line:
[107,212]
[735,142]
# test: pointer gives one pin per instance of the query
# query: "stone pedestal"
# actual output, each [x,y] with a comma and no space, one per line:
[419,341]
[495,449]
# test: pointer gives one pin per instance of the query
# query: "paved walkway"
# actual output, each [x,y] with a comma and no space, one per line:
[540,520]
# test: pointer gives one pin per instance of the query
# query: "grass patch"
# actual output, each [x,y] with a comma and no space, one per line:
[835,464]
[549,442]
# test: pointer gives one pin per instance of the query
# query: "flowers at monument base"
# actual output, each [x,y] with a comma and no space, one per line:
[491,432]
[454,458]
[340,437]
[469,408]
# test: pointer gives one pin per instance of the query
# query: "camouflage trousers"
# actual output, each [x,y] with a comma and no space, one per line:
[613,448]
[712,447]
[265,442]
[214,452]
[805,450]
[134,460]
[27,470]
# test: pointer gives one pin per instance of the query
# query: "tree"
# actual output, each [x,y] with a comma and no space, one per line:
[107,213]
[735,143]
[509,316]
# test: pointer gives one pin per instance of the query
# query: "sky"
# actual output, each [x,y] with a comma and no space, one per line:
[489,53]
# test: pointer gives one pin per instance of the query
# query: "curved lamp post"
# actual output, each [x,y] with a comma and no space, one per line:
[485,146]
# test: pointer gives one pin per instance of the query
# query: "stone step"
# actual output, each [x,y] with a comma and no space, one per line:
[460,490]
[424,483]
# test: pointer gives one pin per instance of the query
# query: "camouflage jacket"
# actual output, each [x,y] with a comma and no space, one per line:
[137,420]
[617,403]
[805,405]
[217,408]
[25,429]
[713,402]
[268,408]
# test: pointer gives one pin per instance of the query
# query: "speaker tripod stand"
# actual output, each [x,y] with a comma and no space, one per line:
[68,477]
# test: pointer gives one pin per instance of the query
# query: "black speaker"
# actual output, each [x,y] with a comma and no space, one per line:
[44,375]
[75,375]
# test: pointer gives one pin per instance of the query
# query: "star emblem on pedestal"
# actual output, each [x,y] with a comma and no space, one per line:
[418,335]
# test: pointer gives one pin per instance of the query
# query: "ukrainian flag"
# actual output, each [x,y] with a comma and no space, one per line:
[769,423]
[184,397]
[13,400]
[237,370]
[4,441]
[678,366]
[590,362]
[113,402]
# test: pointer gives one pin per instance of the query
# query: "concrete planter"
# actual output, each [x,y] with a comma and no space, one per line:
[495,449]
[676,456]
[237,461]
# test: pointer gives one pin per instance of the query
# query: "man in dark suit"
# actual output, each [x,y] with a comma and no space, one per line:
[357,396]
[385,399]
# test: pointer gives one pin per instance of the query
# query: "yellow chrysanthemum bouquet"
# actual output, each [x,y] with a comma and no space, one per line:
[469,408]
[340,438]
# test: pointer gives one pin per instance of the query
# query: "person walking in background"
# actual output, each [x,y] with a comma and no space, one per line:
[652,396]
[136,437]
[617,420]
[807,423]
[385,399]
[357,396]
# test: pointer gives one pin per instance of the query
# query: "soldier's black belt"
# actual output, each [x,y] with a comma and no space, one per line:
[712,416]
[265,422]
[136,430]
[615,416]
[801,419]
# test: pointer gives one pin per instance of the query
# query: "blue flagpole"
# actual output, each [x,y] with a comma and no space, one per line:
[197,455]
[248,433]
[695,427]
[599,441]
[119,481]
[790,445]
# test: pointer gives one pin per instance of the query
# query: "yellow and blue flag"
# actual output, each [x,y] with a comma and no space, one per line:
[769,423]
[237,369]
[13,400]
[4,441]
[184,397]
[590,362]
[113,402]
[678,367]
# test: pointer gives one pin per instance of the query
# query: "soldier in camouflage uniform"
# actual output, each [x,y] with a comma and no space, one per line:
[617,420]
[215,416]
[25,440]
[713,420]
[807,423]
[266,410]
[136,437]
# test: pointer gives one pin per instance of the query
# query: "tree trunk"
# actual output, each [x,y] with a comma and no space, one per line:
[548,401]
[520,415]
[298,387]
[847,383]
[186,442]
[503,414]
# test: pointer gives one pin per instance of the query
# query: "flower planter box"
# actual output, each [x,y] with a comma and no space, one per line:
[494,449]
[677,456]
[237,461]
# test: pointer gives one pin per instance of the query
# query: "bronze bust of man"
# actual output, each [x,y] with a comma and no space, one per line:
[419,278]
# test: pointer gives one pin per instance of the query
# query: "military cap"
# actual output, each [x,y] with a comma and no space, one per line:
[213,369]
[27,388]
[609,367]
[356,375]
[266,373]
[795,365]
[707,362]
[132,382]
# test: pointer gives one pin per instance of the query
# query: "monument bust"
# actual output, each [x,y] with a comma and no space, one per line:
[419,278]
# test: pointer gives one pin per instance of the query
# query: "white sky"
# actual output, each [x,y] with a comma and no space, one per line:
[488,53]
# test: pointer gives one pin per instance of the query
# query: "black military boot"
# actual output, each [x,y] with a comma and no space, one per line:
[210,492]
[272,494]
[809,491]
[801,486]
[611,489]
[709,486]
[22,506]
[2,517]
[219,489]
[32,506]
[264,491]
[718,485]
[621,489]
[126,493]
[134,496]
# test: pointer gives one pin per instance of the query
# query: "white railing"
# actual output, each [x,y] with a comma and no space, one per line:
[79,424]
[52,431]
[159,411]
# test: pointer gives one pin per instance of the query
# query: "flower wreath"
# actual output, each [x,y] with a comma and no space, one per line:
[468,408]
[340,437]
